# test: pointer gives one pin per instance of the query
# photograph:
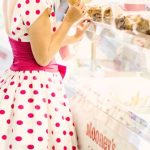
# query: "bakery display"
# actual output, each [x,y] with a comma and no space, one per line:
[100,14]
[95,13]
[123,23]
[133,23]
[143,25]
[108,15]
[135,26]
[148,32]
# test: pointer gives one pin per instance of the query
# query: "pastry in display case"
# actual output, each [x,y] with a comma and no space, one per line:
[100,14]
[95,13]
[108,15]
[135,23]
[123,23]
[118,40]
[143,25]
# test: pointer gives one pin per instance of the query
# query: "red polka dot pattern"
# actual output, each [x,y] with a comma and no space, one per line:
[2,112]
[53,14]
[30,115]
[6,97]
[37,12]
[30,86]
[27,1]
[8,121]
[19,5]
[10,146]
[18,28]
[30,146]
[30,100]
[58,140]
[65,147]
[20,106]
[19,122]
[30,131]
[23,91]
[18,138]
[30,105]
[28,12]
[35,92]
[40,138]
[4,137]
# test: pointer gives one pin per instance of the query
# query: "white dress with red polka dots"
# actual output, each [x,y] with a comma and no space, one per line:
[34,109]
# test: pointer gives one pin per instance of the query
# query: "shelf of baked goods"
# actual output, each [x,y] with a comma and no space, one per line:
[113,17]
[120,40]
[117,107]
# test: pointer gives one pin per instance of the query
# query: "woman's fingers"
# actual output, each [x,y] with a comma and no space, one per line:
[84,24]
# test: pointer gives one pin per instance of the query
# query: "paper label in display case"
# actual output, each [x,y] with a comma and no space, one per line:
[97,130]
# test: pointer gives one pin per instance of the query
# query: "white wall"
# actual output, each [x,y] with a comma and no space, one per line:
[5,50]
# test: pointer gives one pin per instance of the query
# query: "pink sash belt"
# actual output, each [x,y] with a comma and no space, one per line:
[24,61]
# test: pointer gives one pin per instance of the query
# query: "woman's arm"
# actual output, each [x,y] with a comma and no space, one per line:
[46,44]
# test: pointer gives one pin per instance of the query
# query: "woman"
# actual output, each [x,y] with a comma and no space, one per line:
[34,110]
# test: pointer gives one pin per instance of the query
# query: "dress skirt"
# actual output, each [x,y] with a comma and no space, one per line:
[35,112]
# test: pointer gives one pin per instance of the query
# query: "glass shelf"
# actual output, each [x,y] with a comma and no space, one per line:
[118,50]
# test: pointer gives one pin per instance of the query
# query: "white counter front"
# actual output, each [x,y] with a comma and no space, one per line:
[111,113]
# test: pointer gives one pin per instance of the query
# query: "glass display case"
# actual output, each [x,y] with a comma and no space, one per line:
[117,39]
[119,50]
[103,111]
[111,102]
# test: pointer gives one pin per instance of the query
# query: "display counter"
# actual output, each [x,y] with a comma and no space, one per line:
[111,113]
[109,90]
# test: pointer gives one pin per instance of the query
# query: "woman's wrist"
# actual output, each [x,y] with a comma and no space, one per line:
[67,23]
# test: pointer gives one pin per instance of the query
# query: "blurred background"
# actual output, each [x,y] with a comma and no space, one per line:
[76,52]
[108,75]
[5,50]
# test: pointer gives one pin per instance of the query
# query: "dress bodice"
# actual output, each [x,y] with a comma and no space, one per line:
[25,13]
[24,60]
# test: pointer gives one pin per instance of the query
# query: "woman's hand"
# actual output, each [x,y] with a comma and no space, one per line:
[75,12]
[81,28]
[72,2]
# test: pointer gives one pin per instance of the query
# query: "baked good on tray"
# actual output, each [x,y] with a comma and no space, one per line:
[123,23]
[108,15]
[143,25]
[95,13]
[148,32]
